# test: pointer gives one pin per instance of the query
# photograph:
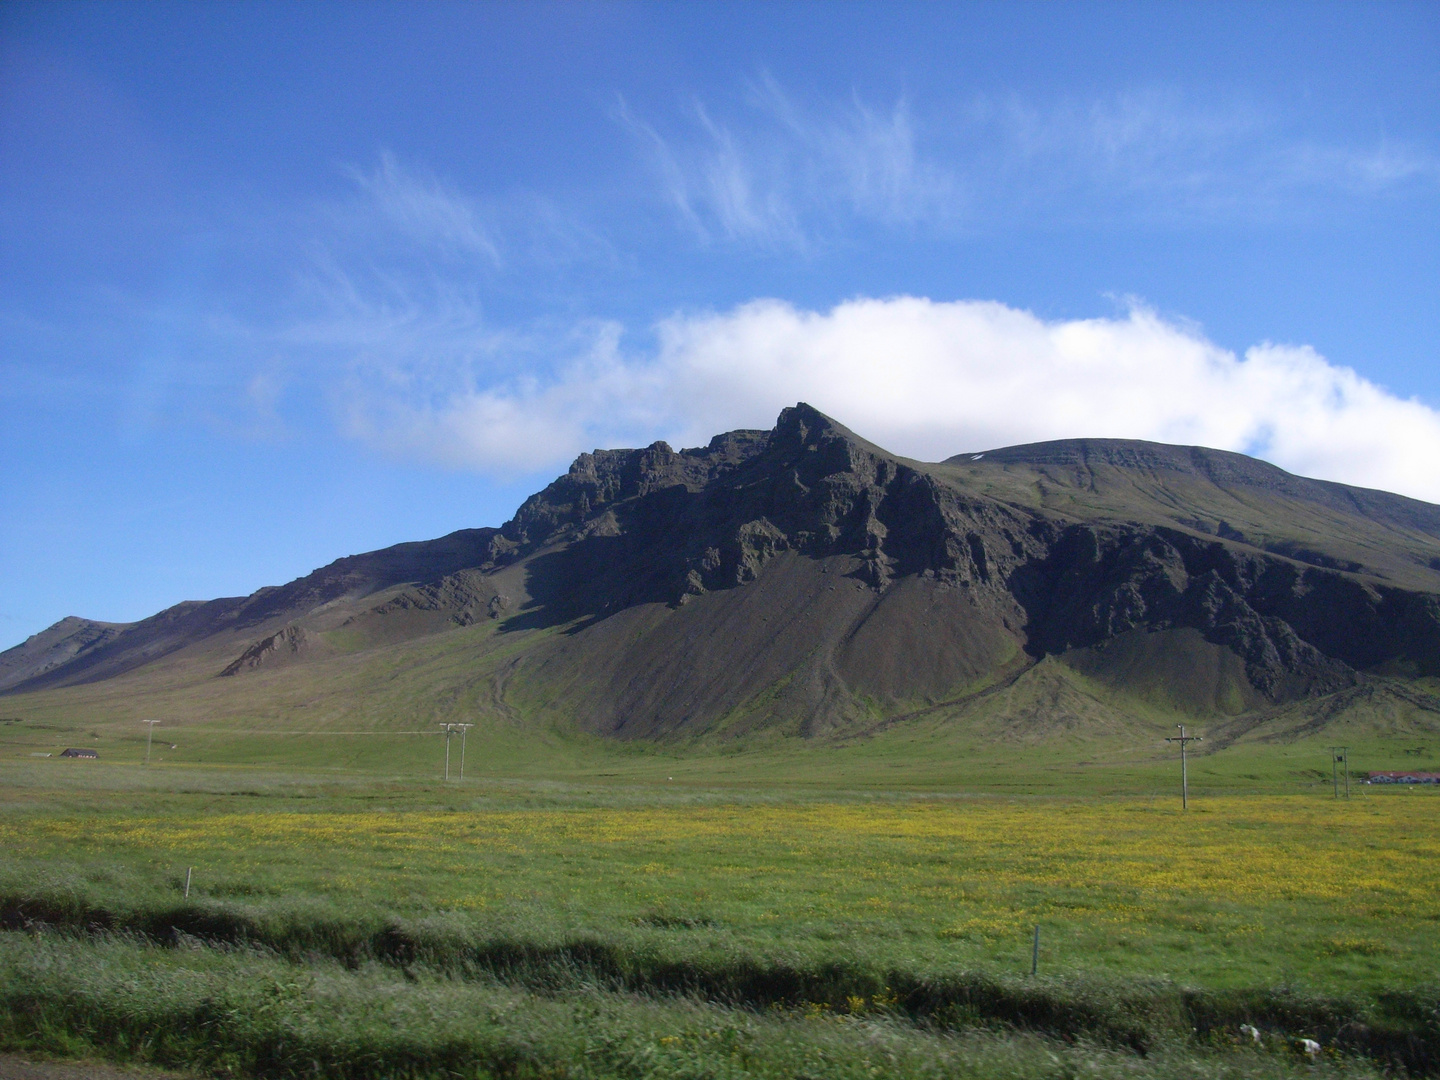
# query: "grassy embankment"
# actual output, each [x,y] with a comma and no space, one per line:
[384,927]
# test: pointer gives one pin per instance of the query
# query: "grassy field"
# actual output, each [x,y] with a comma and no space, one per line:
[639,913]
[1339,896]
[926,755]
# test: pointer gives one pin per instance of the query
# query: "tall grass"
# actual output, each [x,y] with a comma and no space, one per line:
[246,1012]
[1401,1028]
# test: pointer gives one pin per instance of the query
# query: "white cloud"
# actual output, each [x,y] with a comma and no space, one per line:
[491,412]
[928,379]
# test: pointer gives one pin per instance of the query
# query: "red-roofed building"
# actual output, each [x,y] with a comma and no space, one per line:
[1404,778]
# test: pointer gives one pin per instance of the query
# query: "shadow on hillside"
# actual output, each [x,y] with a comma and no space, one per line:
[595,577]
[592,579]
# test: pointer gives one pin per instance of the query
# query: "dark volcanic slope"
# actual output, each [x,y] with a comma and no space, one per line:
[807,578]
[819,566]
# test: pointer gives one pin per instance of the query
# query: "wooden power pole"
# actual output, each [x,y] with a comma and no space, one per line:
[463,729]
[449,730]
[1184,740]
[149,735]
[1340,755]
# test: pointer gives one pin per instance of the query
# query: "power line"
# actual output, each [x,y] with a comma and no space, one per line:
[219,733]
[274,731]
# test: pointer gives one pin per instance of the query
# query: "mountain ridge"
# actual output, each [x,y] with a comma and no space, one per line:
[806,580]
[1220,467]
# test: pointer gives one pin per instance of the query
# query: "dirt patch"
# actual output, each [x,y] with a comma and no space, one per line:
[15,1067]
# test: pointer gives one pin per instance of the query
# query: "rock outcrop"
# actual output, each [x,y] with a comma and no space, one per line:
[284,644]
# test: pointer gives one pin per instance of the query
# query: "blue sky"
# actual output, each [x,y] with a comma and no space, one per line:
[281,283]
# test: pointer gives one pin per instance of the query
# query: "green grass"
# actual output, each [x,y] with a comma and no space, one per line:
[1123,887]
[245,1012]
[590,925]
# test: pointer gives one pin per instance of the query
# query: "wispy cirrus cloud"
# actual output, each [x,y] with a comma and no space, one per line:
[404,215]
[419,207]
[1156,154]
[773,172]
[771,175]
[389,321]
[1364,171]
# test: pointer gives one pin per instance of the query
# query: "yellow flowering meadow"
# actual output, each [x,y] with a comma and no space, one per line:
[1360,878]
[1233,849]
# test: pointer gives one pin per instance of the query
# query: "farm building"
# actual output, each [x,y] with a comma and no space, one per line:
[1404,778]
[72,752]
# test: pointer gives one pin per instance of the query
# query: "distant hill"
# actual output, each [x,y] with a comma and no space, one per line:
[805,581]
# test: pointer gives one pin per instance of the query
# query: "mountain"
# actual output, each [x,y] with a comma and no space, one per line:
[804,580]
[77,650]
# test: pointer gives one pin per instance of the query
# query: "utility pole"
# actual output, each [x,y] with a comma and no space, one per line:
[1340,755]
[149,734]
[1183,740]
[463,729]
[449,730]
